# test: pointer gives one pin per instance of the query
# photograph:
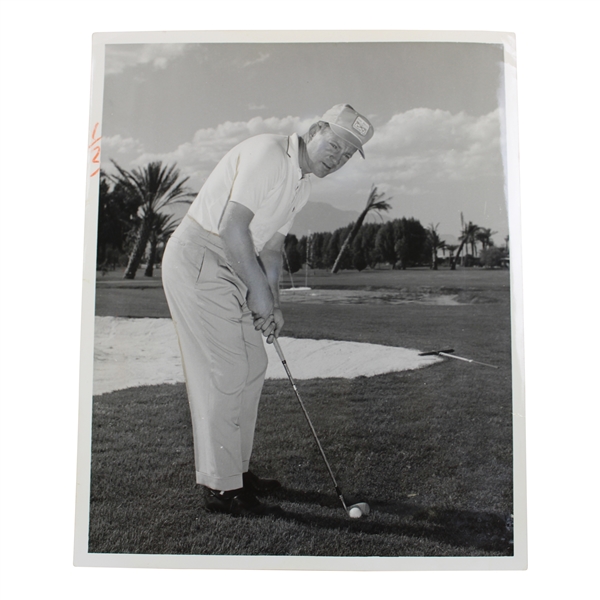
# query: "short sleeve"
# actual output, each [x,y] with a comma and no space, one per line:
[287,227]
[259,170]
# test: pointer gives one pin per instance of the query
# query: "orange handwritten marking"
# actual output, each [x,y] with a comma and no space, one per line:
[96,157]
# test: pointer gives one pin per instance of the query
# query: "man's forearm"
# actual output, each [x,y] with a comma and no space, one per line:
[240,253]
[272,263]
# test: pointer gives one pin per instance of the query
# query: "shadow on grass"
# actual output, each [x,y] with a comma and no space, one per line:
[458,528]
[143,499]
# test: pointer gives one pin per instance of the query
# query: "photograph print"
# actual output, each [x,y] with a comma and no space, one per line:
[302,318]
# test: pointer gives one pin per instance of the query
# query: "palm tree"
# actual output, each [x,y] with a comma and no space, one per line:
[155,186]
[485,237]
[116,217]
[163,228]
[374,203]
[436,243]
[469,231]
[451,248]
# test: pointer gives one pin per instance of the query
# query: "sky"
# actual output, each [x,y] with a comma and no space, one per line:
[436,152]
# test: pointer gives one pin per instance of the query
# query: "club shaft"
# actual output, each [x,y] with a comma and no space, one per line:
[312,429]
[469,360]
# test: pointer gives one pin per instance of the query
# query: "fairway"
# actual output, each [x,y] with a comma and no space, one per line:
[430,450]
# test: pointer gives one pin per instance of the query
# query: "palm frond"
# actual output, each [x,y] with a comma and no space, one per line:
[155,185]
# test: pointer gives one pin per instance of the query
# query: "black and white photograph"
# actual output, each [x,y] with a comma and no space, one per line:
[432,433]
[320,368]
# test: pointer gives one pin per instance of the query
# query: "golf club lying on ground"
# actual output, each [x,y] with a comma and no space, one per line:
[356,510]
[447,354]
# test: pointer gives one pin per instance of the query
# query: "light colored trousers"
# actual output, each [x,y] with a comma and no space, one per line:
[224,358]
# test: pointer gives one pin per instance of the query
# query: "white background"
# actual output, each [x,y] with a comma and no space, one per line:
[46,55]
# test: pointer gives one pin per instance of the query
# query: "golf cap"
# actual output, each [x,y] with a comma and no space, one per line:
[352,127]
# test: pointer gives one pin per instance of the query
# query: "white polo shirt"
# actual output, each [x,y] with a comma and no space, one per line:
[262,173]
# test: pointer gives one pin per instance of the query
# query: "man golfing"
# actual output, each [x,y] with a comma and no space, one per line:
[221,271]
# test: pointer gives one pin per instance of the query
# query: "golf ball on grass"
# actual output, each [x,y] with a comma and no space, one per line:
[355,512]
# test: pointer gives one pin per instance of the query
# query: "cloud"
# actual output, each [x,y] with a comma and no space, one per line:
[120,57]
[117,145]
[198,157]
[418,157]
[414,154]
[254,61]
[437,144]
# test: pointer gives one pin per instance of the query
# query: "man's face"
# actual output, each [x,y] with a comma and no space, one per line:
[326,152]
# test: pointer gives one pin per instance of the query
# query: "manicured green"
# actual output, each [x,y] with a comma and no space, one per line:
[430,450]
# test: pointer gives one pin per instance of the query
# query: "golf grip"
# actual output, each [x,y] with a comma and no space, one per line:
[285,366]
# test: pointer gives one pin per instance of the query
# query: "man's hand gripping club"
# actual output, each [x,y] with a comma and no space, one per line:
[270,322]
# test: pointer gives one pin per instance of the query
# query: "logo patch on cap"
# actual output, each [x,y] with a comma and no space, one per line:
[361,126]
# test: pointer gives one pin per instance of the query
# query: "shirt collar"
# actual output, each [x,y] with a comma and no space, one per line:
[293,152]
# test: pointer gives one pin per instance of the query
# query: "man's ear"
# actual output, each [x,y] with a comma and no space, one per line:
[313,130]
[315,127]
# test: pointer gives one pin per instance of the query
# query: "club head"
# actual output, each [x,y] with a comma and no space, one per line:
[363,507]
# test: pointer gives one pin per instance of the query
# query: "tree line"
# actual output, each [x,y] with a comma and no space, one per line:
[133,227]
[399,243]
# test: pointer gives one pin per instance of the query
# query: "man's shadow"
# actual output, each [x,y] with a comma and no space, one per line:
[475,530]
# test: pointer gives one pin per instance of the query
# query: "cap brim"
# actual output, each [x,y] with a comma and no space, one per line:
[347,136]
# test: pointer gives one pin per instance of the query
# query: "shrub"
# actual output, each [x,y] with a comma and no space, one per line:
[492,257]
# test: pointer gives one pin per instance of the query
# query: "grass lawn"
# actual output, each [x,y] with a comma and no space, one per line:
[429,450]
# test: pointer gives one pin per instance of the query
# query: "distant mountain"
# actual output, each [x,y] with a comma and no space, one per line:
[450,239]
[318,217]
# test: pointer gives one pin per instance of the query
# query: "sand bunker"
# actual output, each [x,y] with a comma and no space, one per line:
[134,352]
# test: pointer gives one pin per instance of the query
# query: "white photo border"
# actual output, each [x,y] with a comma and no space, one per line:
[510,155]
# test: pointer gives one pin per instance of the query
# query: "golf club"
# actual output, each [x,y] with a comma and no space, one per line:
[447,354]
[356,510]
